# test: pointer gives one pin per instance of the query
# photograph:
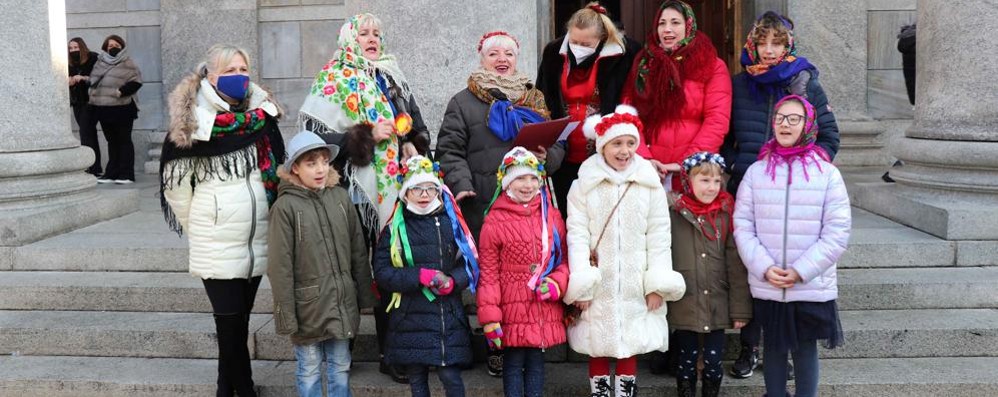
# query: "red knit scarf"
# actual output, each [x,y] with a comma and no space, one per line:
[659,95]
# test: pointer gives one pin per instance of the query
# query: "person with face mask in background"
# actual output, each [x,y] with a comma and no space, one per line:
[582,74]
[81,63]
[113,83]
[218,179]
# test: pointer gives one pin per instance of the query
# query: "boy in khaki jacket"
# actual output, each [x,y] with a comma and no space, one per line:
[319,273]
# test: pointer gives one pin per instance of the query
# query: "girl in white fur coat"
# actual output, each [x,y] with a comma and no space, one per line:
[619,252]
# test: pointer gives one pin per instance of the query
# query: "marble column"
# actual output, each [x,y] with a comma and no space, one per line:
[949,183]
[833,36]
[43,189]
[188,30]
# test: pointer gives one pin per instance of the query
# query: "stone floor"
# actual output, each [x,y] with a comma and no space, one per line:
[109,310]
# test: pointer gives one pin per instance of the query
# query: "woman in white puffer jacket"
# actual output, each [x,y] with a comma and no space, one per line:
[217,181]
[619,195]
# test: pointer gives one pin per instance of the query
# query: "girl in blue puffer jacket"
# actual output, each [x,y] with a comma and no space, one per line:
[425,258]
[792,221]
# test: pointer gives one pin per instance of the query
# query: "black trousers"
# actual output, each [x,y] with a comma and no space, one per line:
[120,150]
[87,121]
[231,303]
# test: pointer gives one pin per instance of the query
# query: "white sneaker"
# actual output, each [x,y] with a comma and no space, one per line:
[123,181]
[102,180]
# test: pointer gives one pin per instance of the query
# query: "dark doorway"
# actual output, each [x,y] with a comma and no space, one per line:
[719,19]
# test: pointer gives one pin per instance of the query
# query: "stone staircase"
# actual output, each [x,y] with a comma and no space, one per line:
[109,310]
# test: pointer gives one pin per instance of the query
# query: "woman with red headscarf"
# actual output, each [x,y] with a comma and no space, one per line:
[681,89]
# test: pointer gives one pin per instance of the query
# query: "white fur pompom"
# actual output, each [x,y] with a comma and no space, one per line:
[626,109]
[589,127]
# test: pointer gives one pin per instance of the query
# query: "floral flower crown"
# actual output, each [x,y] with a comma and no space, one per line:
[493,34]
[698,158]
[419,166]
[520,158]
[617,118]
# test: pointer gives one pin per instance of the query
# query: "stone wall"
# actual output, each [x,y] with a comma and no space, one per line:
[888,98]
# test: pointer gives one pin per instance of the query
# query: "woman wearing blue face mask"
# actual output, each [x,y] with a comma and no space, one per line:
[217,181]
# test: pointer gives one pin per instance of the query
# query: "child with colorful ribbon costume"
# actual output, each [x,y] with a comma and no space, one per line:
[425,258]
[524,269]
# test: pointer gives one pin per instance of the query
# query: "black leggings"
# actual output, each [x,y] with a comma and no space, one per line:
[231,303]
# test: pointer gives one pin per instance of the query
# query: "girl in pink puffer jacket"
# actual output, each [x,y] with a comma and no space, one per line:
[792,221]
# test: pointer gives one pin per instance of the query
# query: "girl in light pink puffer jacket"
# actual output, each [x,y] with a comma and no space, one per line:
[792,221]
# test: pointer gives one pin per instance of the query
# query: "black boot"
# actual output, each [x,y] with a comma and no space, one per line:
[711,388]
[686,387]
[235,373]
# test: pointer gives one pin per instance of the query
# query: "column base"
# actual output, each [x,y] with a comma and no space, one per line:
[22,227]
[948,215]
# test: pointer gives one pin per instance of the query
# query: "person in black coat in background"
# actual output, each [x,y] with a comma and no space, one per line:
[581,74]
[81,63]
[425,258]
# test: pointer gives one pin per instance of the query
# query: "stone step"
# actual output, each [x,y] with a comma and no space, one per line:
[918,288]
[889,289]
[869,333]
[144,377]
[139,242]
[112,291]
[877,242]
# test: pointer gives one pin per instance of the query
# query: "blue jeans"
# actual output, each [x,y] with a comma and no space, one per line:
[449,376]
[336,355]
[805,370]
[523,372]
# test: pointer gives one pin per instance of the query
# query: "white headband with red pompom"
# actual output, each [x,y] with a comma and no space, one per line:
[623,121]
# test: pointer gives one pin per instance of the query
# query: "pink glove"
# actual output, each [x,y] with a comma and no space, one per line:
[548,290]
[442,284]
[426,277]
[493,334]
[438,282]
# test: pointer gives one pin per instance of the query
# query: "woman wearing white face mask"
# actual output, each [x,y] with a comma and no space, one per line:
[218,178]
[582,74]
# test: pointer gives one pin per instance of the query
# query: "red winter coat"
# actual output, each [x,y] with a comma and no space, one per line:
[510,242]
[703,121]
